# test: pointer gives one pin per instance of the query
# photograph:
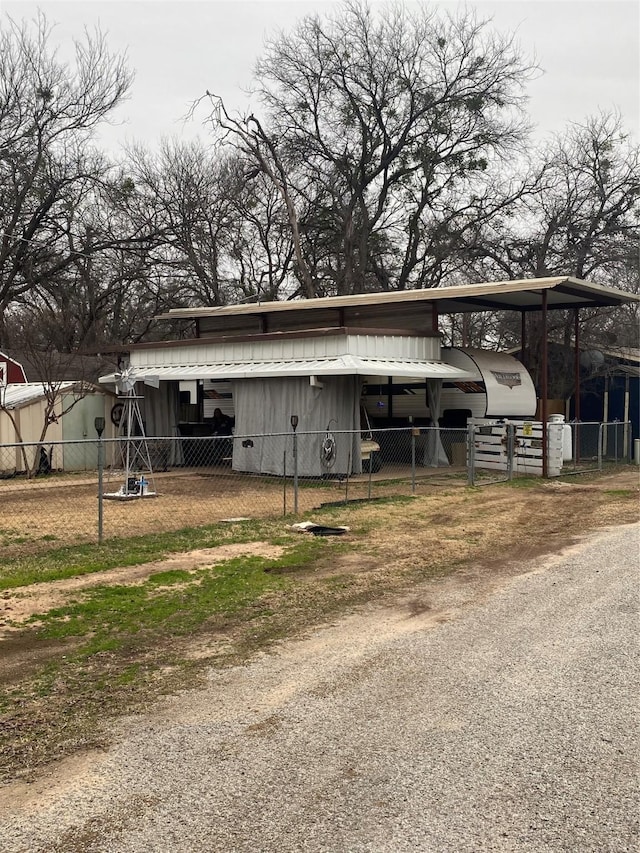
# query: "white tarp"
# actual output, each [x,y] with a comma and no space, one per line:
[160,414]
[434,455]
[263,441]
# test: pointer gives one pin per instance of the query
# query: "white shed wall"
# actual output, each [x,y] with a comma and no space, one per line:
[289,349]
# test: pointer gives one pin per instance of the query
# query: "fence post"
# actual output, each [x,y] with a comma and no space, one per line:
[471,435]
[413,457]
[346,482]
[601,439]
[511,449]
[99,425]
[284,480]
[294,427]
[625,440]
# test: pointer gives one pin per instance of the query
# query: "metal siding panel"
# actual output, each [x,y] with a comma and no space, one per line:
[346,365]
[296,318]
[382,347]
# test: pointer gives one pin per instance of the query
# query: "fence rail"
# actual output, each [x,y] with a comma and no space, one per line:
[81,490]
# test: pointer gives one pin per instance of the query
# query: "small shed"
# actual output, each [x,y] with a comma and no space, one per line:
[22,416]
[610,387]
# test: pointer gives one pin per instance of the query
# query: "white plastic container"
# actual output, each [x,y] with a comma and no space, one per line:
[567,438]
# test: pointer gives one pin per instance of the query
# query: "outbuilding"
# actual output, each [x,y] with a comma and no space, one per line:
[23,410]
[310,358]
[11,371]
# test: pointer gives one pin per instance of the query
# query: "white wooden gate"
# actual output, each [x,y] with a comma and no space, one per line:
[491,447]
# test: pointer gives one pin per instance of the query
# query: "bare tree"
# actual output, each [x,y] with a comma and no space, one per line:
[260,252]
[222,234]
[48,113]
[584,219]
[250,138]
[185,189]
[382,133]
[581,218]
[32,333]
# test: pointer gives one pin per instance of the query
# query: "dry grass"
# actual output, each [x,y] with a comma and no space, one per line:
[479,537]
[64,510]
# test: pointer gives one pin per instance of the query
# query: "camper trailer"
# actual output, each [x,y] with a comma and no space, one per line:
[498,386]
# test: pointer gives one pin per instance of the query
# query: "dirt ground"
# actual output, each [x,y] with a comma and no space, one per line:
[64,510]
[504,526]
[472,539]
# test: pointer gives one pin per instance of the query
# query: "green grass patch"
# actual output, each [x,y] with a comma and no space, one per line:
[170,577]
[117,646]
[357,503]
[114,649]
[114,616]
[74,560]
[12,537]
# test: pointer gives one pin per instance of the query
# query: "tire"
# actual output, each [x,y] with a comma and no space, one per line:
[116,413]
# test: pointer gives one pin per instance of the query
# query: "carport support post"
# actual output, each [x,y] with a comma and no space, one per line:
[544,389]
[576,395]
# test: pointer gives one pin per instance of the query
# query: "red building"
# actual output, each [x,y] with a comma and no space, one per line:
[11,371]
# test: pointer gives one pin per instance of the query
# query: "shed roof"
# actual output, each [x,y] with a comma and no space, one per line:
[521,295]
[16,395]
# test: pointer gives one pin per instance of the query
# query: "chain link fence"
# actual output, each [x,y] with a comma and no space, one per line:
[59,493]
[501,450]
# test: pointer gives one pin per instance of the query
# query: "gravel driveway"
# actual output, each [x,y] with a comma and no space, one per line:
[457,720]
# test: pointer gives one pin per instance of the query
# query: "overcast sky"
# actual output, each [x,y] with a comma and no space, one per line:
[589,52]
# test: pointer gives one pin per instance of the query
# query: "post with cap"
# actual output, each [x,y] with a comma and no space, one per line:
[99,425]
[294,427]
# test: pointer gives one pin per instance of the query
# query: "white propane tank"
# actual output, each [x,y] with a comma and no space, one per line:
[567,443]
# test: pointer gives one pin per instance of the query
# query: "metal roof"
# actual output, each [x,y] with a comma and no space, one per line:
[344,365]
[18,394]
[521,295]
